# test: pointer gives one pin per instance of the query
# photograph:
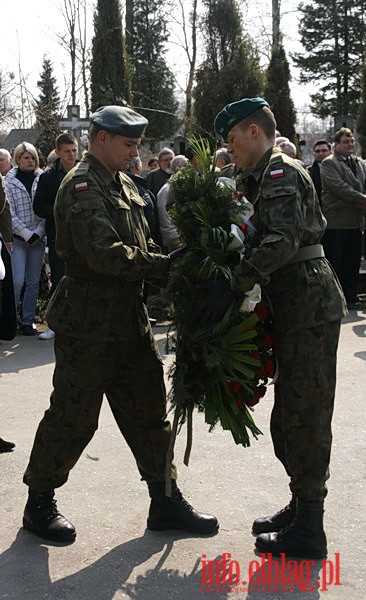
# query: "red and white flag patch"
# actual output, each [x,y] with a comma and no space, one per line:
[81,187]
[276,173]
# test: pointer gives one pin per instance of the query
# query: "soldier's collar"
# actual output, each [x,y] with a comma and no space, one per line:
[103,172]
[257,170]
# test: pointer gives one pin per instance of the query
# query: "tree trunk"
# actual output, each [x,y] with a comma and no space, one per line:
[192,68]
[276,19]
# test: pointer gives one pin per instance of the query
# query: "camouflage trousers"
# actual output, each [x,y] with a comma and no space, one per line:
[303,408]
[130,374]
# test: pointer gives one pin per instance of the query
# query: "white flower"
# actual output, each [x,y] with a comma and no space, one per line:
[237,238]
[252,298]
[227,182]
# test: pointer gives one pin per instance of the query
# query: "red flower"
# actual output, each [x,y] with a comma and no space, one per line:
[243,227]
[270,368]
[262,372]
[252,401]
[267,341]
[234,386]
[261,311]
[260,391]
[239,402]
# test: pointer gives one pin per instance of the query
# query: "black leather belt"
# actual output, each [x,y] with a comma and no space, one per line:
[307,253]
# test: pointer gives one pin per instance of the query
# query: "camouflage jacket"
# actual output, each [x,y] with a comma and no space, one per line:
[103,236]
[287,217]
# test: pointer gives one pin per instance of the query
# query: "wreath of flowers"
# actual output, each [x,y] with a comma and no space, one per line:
[221,369]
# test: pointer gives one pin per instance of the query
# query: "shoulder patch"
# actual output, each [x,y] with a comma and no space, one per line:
[276,173]
[81,187]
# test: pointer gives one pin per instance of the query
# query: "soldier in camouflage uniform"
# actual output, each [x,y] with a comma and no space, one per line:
[103,342]
[307,304]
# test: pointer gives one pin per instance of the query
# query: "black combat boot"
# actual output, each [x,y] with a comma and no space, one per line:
[42,518]
[304,538]
[6,446]
[278,521]
[176,513]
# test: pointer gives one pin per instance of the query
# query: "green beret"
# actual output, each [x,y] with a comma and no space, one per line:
[234,113]
[120,120]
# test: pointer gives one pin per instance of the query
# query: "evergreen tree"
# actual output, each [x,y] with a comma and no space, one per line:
[231,68]
[152,80]
[8,105]
[361,118]
[108,73]
[277,92]
[47,109]
[333,33]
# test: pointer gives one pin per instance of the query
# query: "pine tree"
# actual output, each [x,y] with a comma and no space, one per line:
[47,109]
[361,117]
[333,33]
[108,73]
[231,68]
[277,92]
[152,80]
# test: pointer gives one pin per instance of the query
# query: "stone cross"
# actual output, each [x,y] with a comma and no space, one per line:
[74,123]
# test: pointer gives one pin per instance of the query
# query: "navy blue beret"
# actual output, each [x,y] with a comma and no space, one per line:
[120,120]
[235,112]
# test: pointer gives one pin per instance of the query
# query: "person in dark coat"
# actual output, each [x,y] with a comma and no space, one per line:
[156,179]
[321,150]
[49,182]
[8,318]
[150,210]
[344,206]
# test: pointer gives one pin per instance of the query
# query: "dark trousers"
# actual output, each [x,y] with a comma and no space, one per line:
[303,408]
[343,248]
[130,374]
[57,266]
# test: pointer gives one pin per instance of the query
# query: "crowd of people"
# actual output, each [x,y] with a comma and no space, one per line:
[337,173]
[108,229]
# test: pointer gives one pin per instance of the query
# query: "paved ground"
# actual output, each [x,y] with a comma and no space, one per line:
[115,557]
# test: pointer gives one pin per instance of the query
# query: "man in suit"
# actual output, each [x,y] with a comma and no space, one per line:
[343,178]
[157,178]
[321,150]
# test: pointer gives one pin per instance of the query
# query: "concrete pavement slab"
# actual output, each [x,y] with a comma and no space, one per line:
[114,557]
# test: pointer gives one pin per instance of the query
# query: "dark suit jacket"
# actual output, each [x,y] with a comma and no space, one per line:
[46,192]
[8,318]
[156,179]
[5,216]
[314,171]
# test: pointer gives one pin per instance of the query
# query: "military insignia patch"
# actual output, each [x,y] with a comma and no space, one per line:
[81,187]
[276,173]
